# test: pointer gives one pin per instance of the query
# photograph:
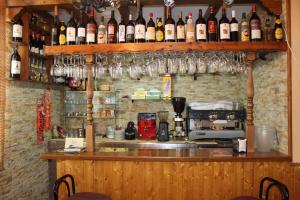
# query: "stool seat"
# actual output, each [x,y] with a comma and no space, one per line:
[88,196]
[245,198]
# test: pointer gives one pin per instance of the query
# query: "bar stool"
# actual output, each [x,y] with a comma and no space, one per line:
[76,196]
[272,182]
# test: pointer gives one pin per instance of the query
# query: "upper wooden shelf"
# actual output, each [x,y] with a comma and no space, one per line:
[167,47]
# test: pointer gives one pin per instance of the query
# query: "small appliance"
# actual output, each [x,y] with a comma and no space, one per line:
[130,131]
[146,126]
[178,106]
[163,127]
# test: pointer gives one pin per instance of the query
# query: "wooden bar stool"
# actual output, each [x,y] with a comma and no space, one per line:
[76,196]
[272,182]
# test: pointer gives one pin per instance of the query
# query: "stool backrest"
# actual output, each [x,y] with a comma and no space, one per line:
[61,180]
[282,188]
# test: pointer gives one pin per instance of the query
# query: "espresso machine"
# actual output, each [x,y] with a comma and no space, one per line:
[146,126]
[178,106]
[163,127]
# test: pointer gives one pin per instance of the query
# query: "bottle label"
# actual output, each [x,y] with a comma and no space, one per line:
[150,33]
[91,33]
[159,35]
[190,36]
[255,29]
[224,31]
[234,27]
[277,21]
[17,30]
[15,67]
[62,39]
[36,50]
[71,34]
[130,30]
[180,32]
[101,34]
[201,31]
[212,27]
[278,34]
[110,30]
[122,34]
[41,51]
[140,31]
[245,37]
[81,32]
[169,32]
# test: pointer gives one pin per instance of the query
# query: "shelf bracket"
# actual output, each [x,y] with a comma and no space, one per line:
[90,136]
[251,57]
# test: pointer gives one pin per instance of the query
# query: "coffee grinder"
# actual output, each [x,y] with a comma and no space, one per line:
[178,105]
[163,128]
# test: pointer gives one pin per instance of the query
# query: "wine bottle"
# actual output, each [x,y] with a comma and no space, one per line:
[212,25]
[55,29]
[169,27]
[255,26]
[32,42]
[200,28]
[245,36]
[140,28]
[268,33]
[112,27]
[150,35]
[278,30]
[234,27]
[122,31]
[224,27]
[15,65]
[62,33]
[81,31]
[130,30]
[71,31]
[41,45]
[101,37]
[37,44]
[17,31]
[91,28]
[190,29]
[159,34]
[180,29]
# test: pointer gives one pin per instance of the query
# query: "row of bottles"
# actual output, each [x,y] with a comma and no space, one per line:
[138,31]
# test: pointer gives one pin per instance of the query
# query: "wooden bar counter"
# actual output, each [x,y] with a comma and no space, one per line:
[168,174]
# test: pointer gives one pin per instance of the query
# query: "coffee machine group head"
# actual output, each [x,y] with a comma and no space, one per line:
[179,105]
[163,128]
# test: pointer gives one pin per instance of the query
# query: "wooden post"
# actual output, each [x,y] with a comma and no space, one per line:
[90,137]
[250,94]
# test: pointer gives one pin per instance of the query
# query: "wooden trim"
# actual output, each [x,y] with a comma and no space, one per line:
[167,46]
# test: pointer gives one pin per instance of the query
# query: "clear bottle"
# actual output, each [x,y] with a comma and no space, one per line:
[101,36]
[190,29]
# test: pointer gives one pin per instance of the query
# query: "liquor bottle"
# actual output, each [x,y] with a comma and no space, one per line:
[140,28]
[41,45]
[212,25]
[71,31]
[150,35]
[200,28]
[159,30]
[55,29]
[255,26]
[190,29]
[278,30]
[130,30]
[268,32]
[62,33]
[17,31]
[245,35]
[234,27]
[180,29]
[224,27]
[169,27]
[112,28]
[91,29]
[15,65]
[101,36]
[122,31]
[81,31]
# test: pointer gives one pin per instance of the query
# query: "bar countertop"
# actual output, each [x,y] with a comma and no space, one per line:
[167,155]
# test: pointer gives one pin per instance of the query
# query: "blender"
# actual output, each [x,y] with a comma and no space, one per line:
[163,130]
[178,106]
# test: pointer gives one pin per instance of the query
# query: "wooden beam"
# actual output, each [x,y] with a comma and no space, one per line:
[273,6]
[18,3]
[12,14]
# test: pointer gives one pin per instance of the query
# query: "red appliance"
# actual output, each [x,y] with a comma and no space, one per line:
[146,126]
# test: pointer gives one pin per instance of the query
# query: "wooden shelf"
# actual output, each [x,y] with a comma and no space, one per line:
[168,47]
